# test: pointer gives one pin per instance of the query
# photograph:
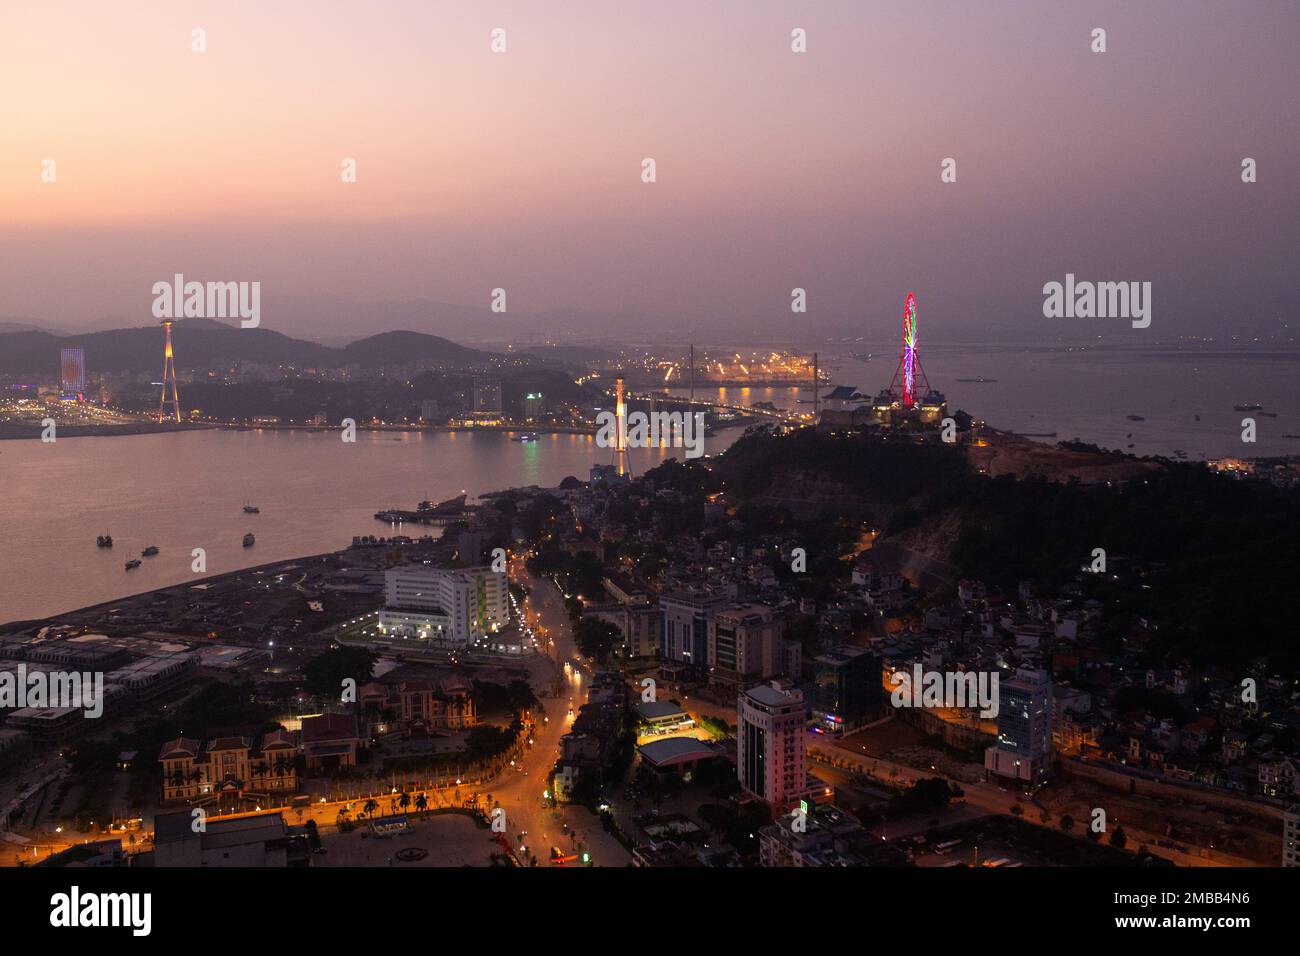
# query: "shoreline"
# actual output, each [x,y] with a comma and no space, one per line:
[56,620]
[8,430]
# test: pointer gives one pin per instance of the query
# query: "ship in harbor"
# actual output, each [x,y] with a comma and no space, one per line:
[104,541]
[133,564]
[252,510]
[249,539]
[150,551]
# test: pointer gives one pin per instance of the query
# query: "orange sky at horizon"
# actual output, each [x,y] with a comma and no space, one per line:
[524,167]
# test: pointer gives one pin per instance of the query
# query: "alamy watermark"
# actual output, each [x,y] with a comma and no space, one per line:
[179,299]
[133,911]
[1098,300]
[21,688]
[651,429]
[924,688]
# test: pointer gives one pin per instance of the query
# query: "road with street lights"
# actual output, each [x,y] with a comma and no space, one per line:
[521,793]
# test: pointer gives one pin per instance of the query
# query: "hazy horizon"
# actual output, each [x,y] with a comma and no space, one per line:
[775,170]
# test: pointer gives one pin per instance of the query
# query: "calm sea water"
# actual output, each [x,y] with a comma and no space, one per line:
[1089,394]
[187,490]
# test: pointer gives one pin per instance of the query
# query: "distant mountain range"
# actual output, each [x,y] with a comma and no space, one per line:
[204,343]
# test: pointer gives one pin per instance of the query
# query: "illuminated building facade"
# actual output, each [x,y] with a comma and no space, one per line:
[770,759]
[72,364]
[445,606]
[534,406]
[229,765]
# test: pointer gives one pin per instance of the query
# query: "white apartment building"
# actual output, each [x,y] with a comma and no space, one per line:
[770,759]
[444,605]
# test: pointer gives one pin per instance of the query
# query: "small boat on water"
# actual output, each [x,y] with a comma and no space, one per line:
[1135,418]
[133,564]
[150,551]
[248,540]
[526,436]
[979,380]
[252,510]
[104,541]
[1251,407]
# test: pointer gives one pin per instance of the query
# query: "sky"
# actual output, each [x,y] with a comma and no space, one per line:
[522,170]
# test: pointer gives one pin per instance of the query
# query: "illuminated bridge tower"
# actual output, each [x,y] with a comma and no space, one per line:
[169,409]
[620,435]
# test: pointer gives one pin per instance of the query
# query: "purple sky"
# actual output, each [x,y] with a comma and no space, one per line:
[522,170]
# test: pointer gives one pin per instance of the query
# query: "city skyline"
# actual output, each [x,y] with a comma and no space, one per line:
[713,438]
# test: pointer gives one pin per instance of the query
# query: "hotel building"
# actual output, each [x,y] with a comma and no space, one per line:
[770,759]
[451,607]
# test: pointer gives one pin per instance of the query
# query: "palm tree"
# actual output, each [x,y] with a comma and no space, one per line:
[404,800]
[370,808]
[421,802]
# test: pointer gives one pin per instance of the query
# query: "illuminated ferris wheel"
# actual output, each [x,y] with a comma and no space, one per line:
[910,377]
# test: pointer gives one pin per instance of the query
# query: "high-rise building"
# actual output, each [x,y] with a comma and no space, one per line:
[534,406]
[487,397]
[73,374]
[1024,747]
[445,606]
[686,617]
[847,691]
[744,645]
[770,761]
